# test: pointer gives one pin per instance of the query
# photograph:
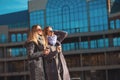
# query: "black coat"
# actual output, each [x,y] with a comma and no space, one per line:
[65,73]
[55,64]
[35,60]
[50,67]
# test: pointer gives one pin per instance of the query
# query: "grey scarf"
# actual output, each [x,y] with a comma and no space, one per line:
[52,39]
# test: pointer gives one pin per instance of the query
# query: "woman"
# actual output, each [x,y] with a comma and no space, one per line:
[36,49]
[55,66]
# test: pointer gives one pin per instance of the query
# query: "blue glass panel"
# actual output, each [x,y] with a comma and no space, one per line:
[115,43]
[72,46]
[17,52]
[19,37]
[106,42]
[3,38]
[37,17]
[117,23]
[83,45]
[101,43]
[12,52]
[13,38]
[24,52]
[118,41]
[98,10]
[24,36]
[112,25]
[93,44]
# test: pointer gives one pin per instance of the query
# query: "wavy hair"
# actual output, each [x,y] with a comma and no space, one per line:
[45,33]
[33,35]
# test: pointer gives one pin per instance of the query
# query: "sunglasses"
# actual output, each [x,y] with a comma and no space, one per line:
[39,29]
[50,31]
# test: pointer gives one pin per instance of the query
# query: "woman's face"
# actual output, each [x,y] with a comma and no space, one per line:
[39,30]
[50,31]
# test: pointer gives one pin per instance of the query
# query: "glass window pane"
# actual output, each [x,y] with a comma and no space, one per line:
[13,38]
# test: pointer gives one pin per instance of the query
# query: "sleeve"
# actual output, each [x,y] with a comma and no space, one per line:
[31,54]
[51,55]
[61,35]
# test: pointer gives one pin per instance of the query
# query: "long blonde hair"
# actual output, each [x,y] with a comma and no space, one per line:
[45,33]
[33,36]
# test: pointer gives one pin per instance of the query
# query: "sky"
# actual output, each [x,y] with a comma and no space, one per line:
[9,6]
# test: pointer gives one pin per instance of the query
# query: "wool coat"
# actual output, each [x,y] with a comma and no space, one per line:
[35,60]
[47,67]
[55,64]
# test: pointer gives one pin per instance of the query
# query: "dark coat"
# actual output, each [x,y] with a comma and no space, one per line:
[35,60]
[55,64]
[50,67]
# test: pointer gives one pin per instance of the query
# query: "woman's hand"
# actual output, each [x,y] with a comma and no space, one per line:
[59,49]
[46,51]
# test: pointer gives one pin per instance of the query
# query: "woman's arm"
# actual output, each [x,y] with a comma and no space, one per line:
[52,52]
[50,55]
[61,35]
[30,50]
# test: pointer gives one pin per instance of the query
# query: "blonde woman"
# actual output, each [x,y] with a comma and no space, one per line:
[36,49]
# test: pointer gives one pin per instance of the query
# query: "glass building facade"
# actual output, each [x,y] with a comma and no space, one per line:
[77,17]
[37,17]
[17,22]
[91,50]
[95,35]
[82,16]
[13,34]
